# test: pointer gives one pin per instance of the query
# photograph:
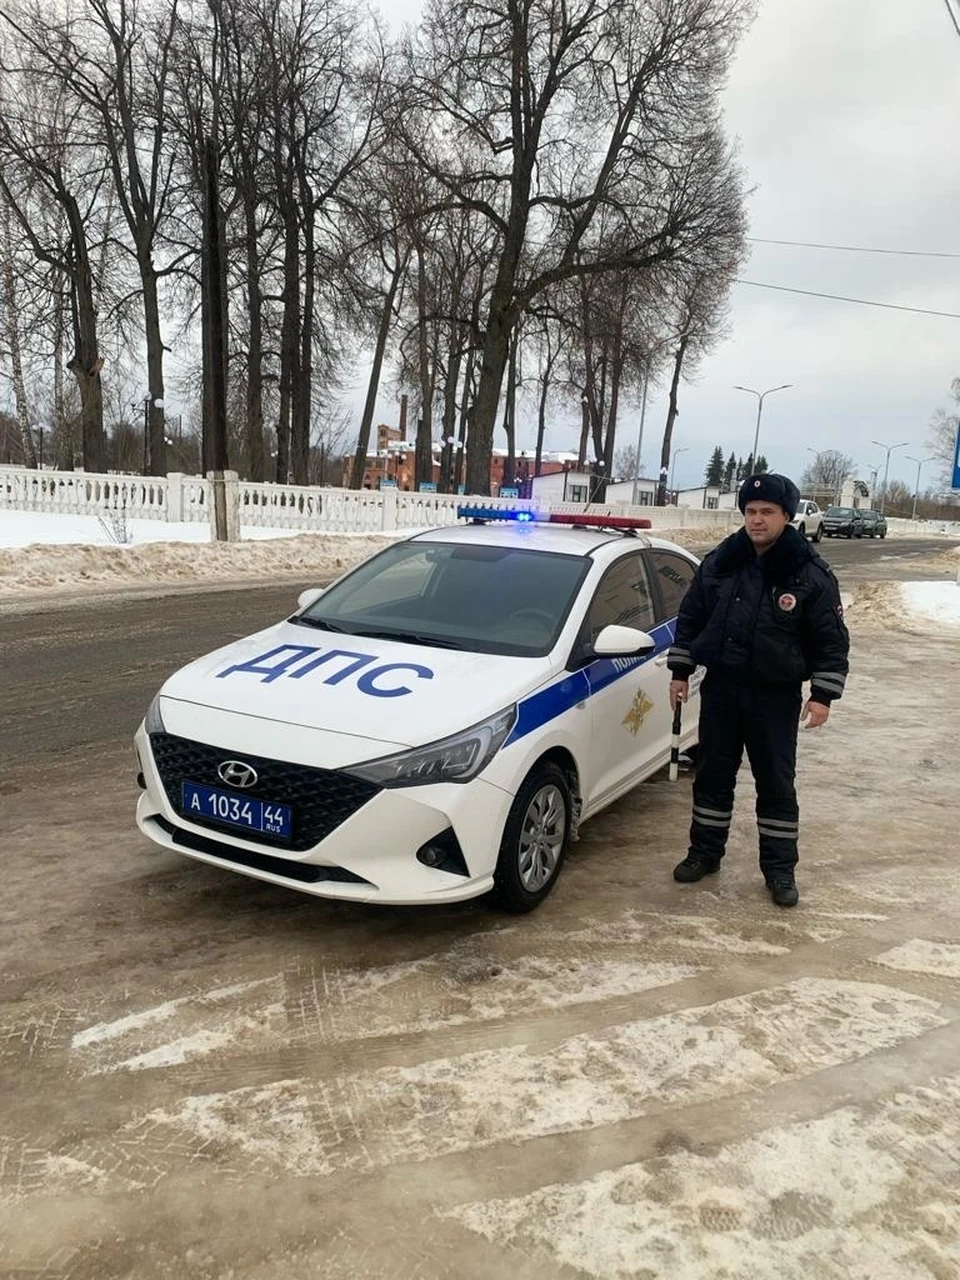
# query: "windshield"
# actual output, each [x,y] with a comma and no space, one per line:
[486,599]
[840,511]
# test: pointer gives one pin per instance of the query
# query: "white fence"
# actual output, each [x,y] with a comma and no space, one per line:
[177,497]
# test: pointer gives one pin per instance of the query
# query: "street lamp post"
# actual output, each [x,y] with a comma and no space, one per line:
[673,464]
[760,398]
[916,488]
[886,466]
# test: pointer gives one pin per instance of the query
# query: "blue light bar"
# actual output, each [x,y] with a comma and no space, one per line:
[520,516]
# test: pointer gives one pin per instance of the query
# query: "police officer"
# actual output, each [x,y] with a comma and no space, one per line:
[762,615]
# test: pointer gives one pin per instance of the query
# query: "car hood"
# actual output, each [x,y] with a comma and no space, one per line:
[384,692]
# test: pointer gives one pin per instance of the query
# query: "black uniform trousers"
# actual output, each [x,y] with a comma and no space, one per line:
[765,721]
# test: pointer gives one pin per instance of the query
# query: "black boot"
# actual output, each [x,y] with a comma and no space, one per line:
[783,889]
[694,867]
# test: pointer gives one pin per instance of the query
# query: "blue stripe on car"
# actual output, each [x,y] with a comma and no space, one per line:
[545,705]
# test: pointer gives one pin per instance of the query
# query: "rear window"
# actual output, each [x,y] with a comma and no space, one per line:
[673,575]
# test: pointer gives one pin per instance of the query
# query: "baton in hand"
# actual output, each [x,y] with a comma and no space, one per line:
[675,742]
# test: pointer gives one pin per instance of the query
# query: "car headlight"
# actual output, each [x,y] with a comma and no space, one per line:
[153,721]
[456,759]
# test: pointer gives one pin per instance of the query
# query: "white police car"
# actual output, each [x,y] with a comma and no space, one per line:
[435,724]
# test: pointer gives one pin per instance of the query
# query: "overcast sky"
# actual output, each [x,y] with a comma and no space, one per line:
[848,117]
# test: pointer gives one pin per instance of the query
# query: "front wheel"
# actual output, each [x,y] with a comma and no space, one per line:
[802,530]
[818,536]
[534,839]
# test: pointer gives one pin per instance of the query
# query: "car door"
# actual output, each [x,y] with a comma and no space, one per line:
[629,700]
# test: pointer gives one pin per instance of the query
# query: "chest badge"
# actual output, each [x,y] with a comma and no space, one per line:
[787,602]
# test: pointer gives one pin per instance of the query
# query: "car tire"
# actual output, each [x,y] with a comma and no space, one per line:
[884,534]
[534,839]
[802,530]
[850,534]
[818,536]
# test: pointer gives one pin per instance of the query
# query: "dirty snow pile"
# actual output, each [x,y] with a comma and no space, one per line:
[42,553]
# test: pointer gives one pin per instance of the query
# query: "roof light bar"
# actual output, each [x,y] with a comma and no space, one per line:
[601,521]
[517,515]
[498,513]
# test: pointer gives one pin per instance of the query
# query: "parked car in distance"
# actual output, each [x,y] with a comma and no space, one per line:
[809,520]
[874,524]
[843,522]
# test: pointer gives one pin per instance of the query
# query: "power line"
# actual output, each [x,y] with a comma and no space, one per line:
[953,17]
[853,248]
[862,302]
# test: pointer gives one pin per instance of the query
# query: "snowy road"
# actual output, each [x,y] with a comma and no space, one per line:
[204,1076]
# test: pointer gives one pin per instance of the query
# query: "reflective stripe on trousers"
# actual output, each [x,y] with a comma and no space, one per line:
[763,721]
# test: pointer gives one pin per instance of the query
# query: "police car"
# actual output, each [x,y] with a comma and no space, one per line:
[435,724]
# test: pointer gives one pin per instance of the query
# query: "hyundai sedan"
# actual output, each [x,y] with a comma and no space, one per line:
[436,724]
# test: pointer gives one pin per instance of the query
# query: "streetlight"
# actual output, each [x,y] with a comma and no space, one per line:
[916,490]
[886,466]
[760,395]
[673,464]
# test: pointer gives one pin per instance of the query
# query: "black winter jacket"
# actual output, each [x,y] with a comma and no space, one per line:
[774,619]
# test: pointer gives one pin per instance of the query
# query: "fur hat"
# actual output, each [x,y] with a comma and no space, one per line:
[767,486]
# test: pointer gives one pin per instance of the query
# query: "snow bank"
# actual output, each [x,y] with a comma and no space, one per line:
[61,553]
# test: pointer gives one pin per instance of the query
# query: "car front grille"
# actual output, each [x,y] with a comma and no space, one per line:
[320,798]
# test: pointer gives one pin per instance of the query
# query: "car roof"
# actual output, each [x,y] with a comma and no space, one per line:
[556,538]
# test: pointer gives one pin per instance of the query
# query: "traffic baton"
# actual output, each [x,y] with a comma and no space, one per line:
[675,742]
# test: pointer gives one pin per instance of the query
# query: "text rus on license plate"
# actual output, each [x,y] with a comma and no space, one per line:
[237,811]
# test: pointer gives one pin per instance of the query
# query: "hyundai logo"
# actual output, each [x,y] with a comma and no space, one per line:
[237,773]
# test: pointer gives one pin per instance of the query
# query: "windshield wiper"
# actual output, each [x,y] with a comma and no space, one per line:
[410,637]
[319,623]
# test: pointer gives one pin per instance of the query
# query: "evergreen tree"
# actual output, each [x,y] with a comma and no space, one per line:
[714,472]
[730,473]
[762,464]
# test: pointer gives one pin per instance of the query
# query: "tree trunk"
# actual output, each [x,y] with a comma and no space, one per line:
[85,363]
[510,412]
[303,382]
[423,470]
[63,431]
[672,412]
[289,341]
[496,350]
[11,332]
[215,318]
[155,413]
[373,383]
[253,426]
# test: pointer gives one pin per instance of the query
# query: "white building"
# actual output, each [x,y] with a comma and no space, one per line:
[583,486]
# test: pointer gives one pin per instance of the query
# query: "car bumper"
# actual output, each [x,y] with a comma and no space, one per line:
[369,856]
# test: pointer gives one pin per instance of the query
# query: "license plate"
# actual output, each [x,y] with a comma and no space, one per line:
[237,811]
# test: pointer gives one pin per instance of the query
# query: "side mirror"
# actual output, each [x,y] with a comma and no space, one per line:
[306,598]
[615,641]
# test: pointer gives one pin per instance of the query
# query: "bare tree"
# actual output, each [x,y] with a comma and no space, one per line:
[942,443]
[568,113]
[824,478]
[10,329]
[114,68]
[44,161]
